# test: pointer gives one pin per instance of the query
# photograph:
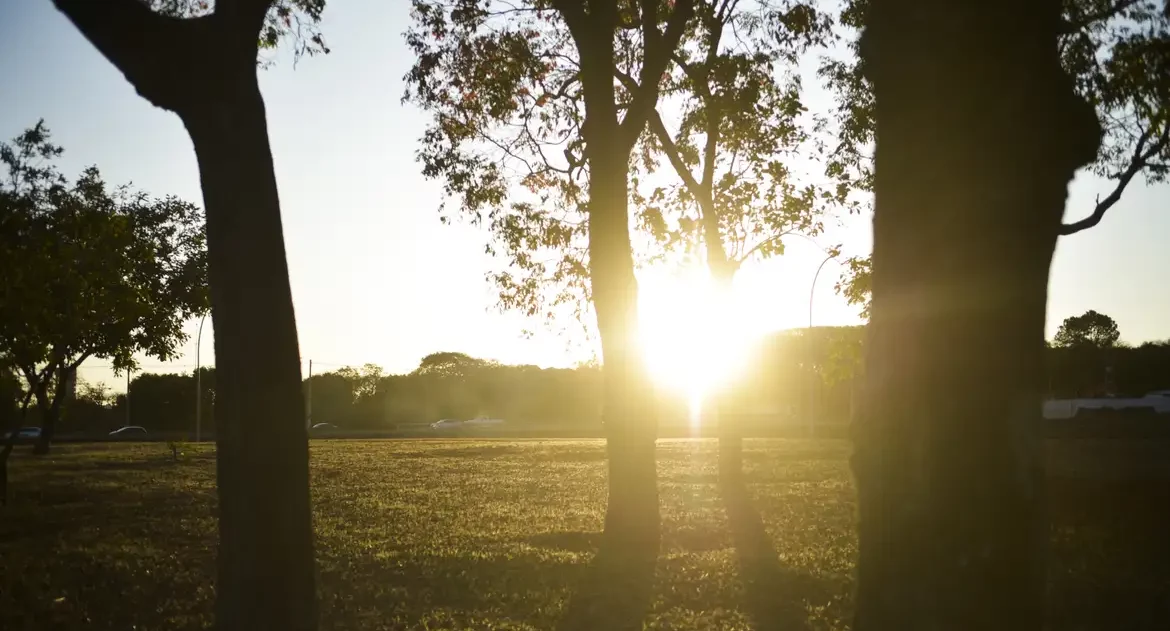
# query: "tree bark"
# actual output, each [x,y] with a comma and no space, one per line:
[51,410]
[632,518]
[976,145]
[266,568]
[204,70]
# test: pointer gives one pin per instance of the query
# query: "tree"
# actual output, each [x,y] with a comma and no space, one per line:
[90,272]
[1090,329]
[976,145]
[1118,53]
[200,62]
[738,101]
[510,87]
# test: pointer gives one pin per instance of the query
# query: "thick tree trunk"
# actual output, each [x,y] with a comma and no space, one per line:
[204,70]
[632,518]
[979,133]
[265,567]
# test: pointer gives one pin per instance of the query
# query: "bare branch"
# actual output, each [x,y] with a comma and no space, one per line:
[671,150]
[1138,162]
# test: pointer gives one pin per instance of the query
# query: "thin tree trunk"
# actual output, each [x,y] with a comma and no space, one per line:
[722,271]
[976,145]
[9,445]
[266,567]
[49,411]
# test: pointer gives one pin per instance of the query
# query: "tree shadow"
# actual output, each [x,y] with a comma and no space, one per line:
[614,592]
[774,595]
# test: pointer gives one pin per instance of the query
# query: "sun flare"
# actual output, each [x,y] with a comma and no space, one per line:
[694,334]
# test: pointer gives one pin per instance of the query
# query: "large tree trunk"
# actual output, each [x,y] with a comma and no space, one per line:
[266,567]
[979,132]
[204,71]
[631,520]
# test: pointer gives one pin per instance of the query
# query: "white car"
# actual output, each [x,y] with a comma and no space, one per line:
[483,421]
[130,431]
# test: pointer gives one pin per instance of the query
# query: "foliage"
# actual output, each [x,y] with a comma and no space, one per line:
[737,98]
[298,20]
[503,85]
[1091,329]
[89,271]
[1118,53]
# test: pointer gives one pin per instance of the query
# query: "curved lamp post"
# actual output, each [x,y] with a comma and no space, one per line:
[812,398]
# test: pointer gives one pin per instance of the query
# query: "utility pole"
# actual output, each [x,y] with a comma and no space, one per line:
[199,384]
[127,397]
[309,399]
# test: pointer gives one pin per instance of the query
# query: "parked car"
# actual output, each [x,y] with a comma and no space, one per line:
[130,431]
[25,433]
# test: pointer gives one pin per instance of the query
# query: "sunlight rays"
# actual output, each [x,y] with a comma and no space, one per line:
[694,334]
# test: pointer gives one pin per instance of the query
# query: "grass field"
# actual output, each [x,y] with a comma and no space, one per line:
[499,535]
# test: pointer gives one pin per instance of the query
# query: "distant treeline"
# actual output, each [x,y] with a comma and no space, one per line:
[793,375]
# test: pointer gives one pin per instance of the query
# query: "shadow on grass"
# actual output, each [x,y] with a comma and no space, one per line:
[615,591]
[1108,553]
[774,595]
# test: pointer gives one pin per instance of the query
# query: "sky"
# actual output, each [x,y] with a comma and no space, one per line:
[376,277]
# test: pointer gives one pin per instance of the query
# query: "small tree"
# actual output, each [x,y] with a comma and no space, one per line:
[1088,330]
[90,272]
[526,95]
[736,96]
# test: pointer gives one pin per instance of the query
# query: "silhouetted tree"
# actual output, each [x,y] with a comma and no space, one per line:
[200,63]
[1117,53]
[734,88]
[976,145]
[89,272]
[1088,329]
[532,82]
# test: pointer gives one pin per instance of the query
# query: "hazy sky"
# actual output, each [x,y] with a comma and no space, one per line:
[375,276]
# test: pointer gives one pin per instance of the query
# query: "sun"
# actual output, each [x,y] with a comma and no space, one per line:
[694,334]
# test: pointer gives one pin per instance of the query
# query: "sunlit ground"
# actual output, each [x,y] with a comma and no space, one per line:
[500,535]
[696,336]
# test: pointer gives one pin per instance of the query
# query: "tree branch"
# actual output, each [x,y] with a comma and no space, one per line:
[152,51]
[1141,156]
[657,52]
[244,19]
[671,150]
[714,113]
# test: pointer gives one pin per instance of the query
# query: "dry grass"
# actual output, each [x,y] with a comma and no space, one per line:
[498,535]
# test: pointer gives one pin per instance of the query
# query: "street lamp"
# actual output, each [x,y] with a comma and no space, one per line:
[199,384]
[812,398]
